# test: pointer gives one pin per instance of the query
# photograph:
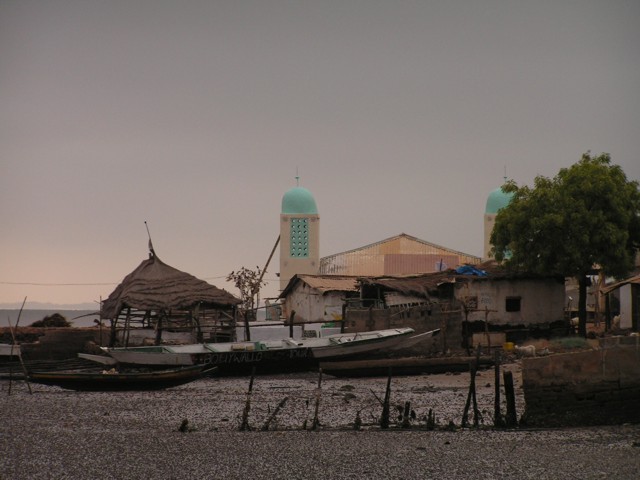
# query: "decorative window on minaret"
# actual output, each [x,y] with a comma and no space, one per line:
[299,237]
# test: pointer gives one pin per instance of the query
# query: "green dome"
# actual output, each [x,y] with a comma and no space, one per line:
[498,199]
[299,200]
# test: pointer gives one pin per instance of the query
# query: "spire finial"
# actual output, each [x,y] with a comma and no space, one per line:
[297,178]
[505,174]
[152,252]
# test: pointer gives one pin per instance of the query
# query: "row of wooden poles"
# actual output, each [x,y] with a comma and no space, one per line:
[507,421]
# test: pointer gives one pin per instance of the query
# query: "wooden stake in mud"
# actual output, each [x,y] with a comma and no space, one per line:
[265,427]
[406,415]
[473,368]
[13,337]
[497,415]
[316,422]
[244,426]
[511,419]
[384,420]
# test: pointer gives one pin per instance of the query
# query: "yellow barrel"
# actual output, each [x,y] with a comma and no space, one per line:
[508,346]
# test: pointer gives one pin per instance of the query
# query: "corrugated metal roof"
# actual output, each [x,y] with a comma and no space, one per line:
[324,283]
[407,237]
[634,280]
[420,284]
[423,284]
[330,283]
[399,255]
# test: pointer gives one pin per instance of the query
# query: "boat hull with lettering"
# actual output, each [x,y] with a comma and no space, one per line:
[274,356]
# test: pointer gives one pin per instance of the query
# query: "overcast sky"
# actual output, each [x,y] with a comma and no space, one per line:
[400,116]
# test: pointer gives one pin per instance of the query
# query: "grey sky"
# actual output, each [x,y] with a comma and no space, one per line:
[400,116]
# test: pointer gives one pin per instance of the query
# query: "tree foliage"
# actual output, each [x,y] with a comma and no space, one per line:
[249,283]
[54,320]
[587,216]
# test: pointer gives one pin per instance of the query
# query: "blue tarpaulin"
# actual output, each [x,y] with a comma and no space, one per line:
[469,270]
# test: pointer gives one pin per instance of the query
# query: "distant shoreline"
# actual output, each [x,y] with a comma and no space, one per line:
[77,318]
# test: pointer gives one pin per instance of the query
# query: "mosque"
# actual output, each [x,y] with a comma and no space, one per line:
[395,256]
[396,282]
[497,199]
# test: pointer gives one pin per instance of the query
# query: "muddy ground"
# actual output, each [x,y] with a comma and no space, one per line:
[55,433]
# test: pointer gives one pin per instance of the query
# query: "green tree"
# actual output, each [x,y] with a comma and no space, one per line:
[587,217]
[249,283]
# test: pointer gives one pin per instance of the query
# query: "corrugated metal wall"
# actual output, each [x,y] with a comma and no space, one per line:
[401,255]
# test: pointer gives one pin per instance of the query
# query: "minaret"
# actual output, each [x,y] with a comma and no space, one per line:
[299,235]
[497,199]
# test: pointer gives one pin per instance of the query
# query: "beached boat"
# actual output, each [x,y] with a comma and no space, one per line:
[8,351]
[112,380]
[402,366]
[272,355]
[353,345]
[103,359]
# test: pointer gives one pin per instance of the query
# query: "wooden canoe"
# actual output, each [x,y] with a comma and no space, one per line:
[111,380]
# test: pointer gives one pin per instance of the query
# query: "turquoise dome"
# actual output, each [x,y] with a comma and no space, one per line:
[299,200]
[498,199]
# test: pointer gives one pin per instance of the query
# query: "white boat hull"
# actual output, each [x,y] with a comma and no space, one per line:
[7,350]
[282,355]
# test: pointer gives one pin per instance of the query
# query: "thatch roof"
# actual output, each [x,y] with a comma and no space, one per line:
[156,286]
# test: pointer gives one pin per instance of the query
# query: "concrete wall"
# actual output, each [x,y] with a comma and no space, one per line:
[541,300]
[421,318]
[595,387]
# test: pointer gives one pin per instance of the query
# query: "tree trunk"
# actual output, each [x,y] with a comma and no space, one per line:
[582,305]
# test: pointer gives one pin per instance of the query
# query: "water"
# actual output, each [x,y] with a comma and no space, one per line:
[77,318]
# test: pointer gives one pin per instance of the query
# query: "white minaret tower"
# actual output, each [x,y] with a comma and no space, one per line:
[299,235]
[496,200]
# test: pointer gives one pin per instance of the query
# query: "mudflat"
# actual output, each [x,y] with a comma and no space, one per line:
[192,431]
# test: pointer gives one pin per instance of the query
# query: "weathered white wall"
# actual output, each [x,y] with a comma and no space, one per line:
[540,300]
[311,306]
[625,306]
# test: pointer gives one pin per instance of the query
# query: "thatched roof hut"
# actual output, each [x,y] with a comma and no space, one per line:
[156,286]
[155,290]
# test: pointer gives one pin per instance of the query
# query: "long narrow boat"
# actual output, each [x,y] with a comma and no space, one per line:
[270,356]
[359,344]
[112,380]
[402,366]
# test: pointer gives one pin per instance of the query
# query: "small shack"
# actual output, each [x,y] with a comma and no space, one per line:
[318,298]
[164,301]
[473,304]
[626,295]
